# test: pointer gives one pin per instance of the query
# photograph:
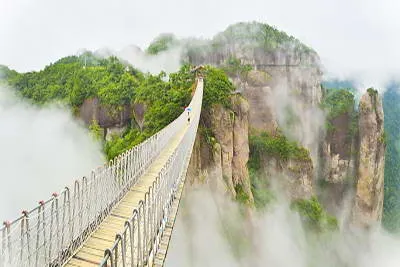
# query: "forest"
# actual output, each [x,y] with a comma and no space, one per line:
[115,83]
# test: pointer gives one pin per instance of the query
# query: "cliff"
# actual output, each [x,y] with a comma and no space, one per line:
[221,150]
[338,150]
[112,120]
[292,176]
[352,157]
[370,172]
[281,82]
[284,94]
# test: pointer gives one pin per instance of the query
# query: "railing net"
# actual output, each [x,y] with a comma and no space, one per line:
[50,233]
[140,239]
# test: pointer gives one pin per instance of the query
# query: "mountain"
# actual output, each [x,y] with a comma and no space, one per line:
[290,143]
[267,121]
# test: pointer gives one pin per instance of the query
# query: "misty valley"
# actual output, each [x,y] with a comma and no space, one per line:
[233,150]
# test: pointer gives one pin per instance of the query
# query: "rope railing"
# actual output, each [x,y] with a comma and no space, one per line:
[139,240]
[50,233]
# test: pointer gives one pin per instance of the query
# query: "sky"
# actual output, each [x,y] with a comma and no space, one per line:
[355,38]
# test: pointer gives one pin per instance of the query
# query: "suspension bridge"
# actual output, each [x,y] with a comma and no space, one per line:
[121,214]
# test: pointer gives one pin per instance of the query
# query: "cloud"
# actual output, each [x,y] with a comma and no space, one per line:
[274,237]
[200,238]
[42,151]
[168,61]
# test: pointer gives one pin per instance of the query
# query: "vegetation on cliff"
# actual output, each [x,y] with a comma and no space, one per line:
[391,205]
[314,216]
[338,102]
[341,123]
[276,146]
[241,196]
[260,186]
[265,145]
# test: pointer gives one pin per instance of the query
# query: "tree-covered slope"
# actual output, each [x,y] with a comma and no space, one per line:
[116,85]
[76,78]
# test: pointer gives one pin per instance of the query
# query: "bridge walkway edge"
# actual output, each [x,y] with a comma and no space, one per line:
[92,251]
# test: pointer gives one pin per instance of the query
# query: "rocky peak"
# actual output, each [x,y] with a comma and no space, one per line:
[369,189]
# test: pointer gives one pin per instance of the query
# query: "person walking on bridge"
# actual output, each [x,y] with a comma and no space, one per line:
[188,110]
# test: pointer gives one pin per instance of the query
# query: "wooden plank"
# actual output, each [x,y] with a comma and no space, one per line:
[106,236]
[115,227]
[88,257]
[97,243]
[80,263]
[97,252]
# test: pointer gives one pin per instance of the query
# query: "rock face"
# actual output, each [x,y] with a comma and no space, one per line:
[138,111]
[221,123]
[293,177]
[286,98]
[91,109]
[369,189]
[276,77]
[113,120]
[337,163]
[240,132]
[284,92]
[220,156]
[348,163]
[205,165]
[257,90]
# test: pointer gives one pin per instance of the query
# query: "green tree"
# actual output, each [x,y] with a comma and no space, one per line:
[217,88]
[162,43]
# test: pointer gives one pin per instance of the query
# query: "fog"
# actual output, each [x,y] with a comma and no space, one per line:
[273,237]
[42,151]
[167,61]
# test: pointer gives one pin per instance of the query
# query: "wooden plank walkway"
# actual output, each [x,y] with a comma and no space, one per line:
[92,251]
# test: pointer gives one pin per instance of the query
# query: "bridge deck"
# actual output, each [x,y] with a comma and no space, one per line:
[92,251]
